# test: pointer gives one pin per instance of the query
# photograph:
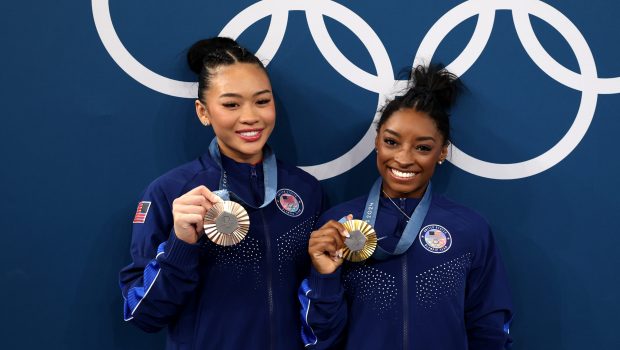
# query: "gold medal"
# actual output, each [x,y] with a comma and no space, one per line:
[226,223]
[362,243]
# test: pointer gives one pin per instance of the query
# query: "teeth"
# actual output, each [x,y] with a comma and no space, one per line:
[249,133]
[402,174]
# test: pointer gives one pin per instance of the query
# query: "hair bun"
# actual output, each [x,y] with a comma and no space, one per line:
[203,48]
[434,84]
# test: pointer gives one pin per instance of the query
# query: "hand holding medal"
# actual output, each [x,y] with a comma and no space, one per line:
[326,246]
[189,210]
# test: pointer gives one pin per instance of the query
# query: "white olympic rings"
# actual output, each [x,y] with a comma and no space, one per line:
[384,83]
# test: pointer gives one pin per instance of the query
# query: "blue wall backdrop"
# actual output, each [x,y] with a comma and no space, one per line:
[95,105]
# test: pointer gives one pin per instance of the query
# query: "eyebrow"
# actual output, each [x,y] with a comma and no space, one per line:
[231,94]
[421,138]
[392,132]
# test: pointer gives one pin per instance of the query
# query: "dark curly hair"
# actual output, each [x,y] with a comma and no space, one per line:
[431,89]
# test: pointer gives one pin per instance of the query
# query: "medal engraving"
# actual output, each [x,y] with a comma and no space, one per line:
[362,243]
[356,241]
[226,223]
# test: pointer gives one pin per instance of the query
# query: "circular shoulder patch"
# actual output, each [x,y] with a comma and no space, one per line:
[435,239]
[289,202]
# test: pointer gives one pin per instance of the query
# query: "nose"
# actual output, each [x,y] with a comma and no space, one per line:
[248,115]
[404,158]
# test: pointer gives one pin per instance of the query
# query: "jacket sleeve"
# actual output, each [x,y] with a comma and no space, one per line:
[164,269]
[488,306]
[323,311]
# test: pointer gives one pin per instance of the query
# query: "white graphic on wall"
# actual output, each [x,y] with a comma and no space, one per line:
[384,83]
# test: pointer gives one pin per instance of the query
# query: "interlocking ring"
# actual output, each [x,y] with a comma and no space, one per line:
[384,83]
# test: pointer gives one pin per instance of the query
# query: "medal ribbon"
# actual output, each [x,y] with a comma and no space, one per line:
[270,178]
[412,228]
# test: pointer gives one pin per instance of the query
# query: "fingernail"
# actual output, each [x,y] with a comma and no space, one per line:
[345,233]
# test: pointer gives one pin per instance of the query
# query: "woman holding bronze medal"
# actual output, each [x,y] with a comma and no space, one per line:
[219,244]
[423,272]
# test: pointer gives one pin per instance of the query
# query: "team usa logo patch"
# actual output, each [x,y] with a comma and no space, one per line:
[289,202]
[143,209]
[435,239]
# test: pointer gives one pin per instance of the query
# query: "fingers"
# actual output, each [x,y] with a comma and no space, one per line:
[199,196]
[210,196]
[189,209]
[329,243]
[338,227]
[188,227]
[192,200]
[205,193]
[326,249]
[326,241]
[329,240]
[186,221]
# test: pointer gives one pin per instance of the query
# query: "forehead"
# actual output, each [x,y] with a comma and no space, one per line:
[411,123]
[238,78]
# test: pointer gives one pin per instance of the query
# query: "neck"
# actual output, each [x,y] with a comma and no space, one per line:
[387,192]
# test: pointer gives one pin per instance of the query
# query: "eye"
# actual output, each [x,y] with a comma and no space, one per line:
[389,141]
[263,101]
[424,148]
[230,105]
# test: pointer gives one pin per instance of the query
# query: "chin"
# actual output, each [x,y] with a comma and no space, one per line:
[401,190]
[252,150]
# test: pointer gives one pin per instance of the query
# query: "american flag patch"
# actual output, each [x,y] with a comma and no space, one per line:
[143,209]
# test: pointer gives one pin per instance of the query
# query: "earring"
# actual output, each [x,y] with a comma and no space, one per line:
[440,162]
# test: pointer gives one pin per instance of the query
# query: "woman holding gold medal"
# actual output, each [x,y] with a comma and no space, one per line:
[219,244]
[423,272]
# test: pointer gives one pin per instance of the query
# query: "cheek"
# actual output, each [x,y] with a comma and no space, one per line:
[382,157]
[269,115]
[430,163]
[222,118]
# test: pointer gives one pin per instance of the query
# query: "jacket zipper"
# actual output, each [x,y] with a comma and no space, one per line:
[405,303]
[254,185]
[269,282]
[405,292]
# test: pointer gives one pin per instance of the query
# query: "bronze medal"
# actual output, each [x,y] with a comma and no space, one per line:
[226,223]
[362,243]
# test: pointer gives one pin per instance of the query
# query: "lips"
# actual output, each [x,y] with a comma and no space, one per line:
[250,135]
[402,175]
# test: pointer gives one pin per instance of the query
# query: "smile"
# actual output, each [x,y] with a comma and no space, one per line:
[402,174]
[250,135]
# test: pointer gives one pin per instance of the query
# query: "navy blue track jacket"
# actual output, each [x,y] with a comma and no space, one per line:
[215,297]
[449,291]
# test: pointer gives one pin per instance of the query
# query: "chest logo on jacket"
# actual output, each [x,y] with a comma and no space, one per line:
[435,238]
[289,202]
